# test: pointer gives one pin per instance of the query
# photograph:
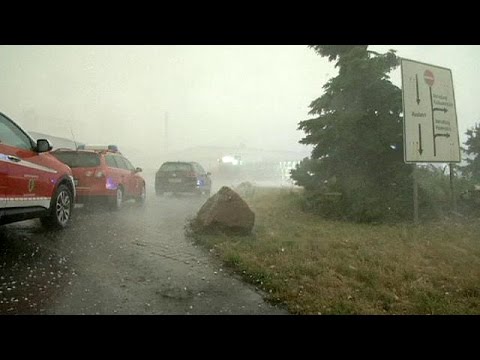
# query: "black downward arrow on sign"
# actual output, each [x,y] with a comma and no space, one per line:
[420,150]
[418,95]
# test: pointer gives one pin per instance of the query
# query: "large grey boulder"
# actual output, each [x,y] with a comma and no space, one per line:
[224,212]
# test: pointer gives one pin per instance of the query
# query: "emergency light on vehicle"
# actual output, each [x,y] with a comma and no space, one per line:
[112,148]
[110,184]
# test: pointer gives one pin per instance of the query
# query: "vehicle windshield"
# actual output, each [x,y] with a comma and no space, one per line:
[78,159]
[176,167]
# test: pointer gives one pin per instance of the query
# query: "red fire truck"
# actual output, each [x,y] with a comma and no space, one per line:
[33,183]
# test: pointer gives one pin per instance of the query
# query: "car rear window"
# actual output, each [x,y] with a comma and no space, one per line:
[78,159]
[176,167]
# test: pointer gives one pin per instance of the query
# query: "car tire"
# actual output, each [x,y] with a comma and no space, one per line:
[116,202]
[61,208]
[140,200]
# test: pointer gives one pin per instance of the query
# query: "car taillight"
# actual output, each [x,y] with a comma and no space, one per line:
[99,174]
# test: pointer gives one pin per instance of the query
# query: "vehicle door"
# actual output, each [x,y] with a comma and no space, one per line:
[29,180]
[114,172]
[135,181]
[125,174]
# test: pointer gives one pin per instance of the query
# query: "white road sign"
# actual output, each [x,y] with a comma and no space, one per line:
[430,116]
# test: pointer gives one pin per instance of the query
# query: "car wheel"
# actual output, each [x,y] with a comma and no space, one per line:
[61,208]
[117,201]
[143,195]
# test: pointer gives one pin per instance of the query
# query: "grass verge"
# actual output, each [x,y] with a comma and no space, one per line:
[316,266]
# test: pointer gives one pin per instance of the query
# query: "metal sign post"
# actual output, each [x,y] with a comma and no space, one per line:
[452,190]
[415,195]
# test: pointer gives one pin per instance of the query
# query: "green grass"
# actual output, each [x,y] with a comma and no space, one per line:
[312,265]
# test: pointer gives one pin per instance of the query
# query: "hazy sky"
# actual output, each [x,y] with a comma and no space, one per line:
[214,95]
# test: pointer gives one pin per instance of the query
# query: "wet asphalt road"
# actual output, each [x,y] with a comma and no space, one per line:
[136,261]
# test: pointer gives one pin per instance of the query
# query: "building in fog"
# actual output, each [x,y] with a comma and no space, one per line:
[209,156]
[242,163]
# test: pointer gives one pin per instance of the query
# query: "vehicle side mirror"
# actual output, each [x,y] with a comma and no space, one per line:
[137,170]
[43,145]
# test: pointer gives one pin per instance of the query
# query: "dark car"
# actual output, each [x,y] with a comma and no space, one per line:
[182,177]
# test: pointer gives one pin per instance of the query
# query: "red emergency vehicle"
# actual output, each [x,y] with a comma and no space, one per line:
[103,173]
[33,183]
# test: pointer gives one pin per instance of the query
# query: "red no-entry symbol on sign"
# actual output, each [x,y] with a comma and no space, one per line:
[429,78]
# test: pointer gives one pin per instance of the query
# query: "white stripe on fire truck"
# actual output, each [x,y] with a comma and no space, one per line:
[28,164]
[26,201]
